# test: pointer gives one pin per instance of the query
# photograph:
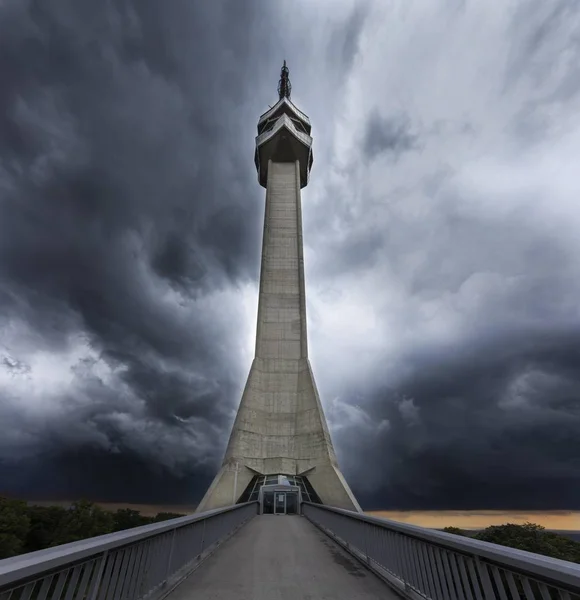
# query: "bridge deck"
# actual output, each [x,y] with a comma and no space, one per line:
[281,558]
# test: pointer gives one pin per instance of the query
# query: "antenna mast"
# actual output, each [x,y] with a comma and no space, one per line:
[284,85]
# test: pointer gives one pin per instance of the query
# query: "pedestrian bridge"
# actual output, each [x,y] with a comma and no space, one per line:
[323,552]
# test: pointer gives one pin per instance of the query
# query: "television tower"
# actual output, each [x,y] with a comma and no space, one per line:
[280,429]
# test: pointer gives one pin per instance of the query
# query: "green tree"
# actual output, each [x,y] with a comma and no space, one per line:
[127,518]
[533,538]
[14,526]
[83,520]
[165,516]
[44,525]
[26,528]
[454,530]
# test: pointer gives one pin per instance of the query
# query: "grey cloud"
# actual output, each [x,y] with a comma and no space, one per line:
[492,270]
[103,476]
[392,135]
[129,208]
[486,420]
[14,366]
[126,171]
[345,41]
[408,410]
[495,428]
[543,54]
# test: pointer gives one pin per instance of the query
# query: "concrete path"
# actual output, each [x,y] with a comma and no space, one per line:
[281,558]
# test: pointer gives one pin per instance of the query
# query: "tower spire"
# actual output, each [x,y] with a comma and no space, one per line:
[284,85]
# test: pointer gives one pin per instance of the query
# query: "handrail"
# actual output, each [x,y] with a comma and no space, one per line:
[433,564]
[137,561]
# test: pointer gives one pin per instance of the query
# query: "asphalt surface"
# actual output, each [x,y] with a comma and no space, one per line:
[281,558]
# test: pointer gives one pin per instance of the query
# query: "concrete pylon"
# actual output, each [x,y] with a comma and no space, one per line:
[280,427]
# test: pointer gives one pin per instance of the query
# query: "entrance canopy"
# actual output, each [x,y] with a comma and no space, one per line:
[300,482]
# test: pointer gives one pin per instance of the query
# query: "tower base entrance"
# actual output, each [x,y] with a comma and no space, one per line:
[280,503]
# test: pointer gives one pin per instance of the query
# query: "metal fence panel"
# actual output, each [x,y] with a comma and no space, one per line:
[127,565]
[423,563]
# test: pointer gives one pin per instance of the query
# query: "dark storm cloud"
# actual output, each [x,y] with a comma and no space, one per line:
[488,418]
[103,476]
[491,425]
[391,135]
[130,217]
[126,171]
[463,259]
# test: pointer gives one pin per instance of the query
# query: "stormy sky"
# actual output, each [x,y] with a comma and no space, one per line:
[441,230]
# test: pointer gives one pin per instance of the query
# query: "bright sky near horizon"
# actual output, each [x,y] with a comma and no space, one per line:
[436,519]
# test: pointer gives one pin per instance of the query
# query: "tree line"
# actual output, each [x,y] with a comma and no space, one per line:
[530,537]
[26,528]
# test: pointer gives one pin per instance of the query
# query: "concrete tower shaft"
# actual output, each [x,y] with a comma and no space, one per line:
[280,428]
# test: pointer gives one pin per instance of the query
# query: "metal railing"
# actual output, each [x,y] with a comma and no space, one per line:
[422,563]
[144,562]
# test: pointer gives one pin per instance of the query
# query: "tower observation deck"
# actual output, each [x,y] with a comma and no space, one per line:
[280,435]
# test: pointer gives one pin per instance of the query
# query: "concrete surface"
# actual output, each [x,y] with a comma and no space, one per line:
[281,558]
[280,427]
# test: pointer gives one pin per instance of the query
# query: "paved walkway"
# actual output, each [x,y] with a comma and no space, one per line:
[281,558]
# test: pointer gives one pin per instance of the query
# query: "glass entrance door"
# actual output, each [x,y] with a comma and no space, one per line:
[291,503]
[280,503]
[268,503]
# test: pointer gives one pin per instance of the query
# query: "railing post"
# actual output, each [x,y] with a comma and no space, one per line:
[202,537]
[366,538]
[99,576]
[485,580]
[170,558]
